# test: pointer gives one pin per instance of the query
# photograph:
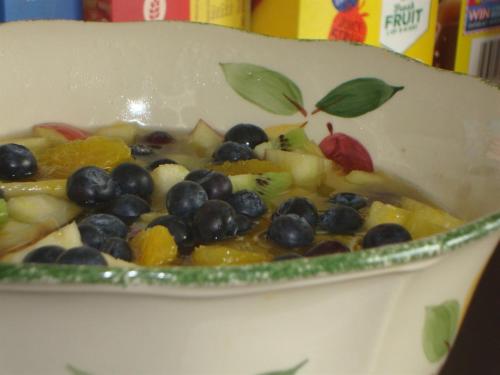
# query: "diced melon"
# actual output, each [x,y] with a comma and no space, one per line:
[55,188]
[204,138]
[383,213]
[425,220]
[66,237]
[307,170]
[42,209]
[164,177]
[34,144]
[127,131]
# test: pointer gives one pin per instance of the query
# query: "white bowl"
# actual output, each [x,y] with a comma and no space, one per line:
[393,310]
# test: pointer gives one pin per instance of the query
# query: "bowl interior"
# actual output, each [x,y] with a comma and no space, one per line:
[440,130]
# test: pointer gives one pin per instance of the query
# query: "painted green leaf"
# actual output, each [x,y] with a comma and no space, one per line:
[72,370]
[270,90]
[357,97]
[439,329]
[292,371]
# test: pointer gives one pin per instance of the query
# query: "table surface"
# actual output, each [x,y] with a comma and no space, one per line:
[477,347]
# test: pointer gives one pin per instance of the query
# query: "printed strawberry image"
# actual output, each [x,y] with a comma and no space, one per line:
[349,24]
[346,151]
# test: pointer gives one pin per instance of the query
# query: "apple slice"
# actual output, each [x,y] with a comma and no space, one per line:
[55,188]
[66,237]
[204,138]
[41,208]
[59,132]
[307,170]
[15,234]
[127,131]
[164,177]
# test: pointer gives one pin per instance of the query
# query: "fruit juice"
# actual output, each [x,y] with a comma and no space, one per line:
[468,37]
[232,13]
[125,195]
[403,26]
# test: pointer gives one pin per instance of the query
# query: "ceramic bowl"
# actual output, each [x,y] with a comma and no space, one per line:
[392,310]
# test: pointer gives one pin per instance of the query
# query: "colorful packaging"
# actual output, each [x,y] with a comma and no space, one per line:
[404,26]
[15,10]
[233,13]
[468,37]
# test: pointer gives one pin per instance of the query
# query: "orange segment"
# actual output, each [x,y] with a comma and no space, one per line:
[154,247]
[253,166]
[62,160]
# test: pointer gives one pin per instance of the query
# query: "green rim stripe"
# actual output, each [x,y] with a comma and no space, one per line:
[254,274]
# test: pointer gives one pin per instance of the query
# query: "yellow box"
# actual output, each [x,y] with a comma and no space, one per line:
[404,26]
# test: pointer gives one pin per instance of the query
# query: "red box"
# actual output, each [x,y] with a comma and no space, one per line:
[136,10]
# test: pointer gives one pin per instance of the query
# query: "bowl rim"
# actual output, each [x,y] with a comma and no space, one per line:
[382,258]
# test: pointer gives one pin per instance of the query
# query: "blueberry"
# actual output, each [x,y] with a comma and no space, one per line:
[82,255]
[155,164]
[44,254]
[326,248]
[185,197]
[215,221]
[340,220]
[91,236]
[110,225]
[244,224]
[302,207]
[176,226]
[132,179]
[140,149]
[197,175]
[16,162]
[290,231]
[286,256]
[385,234]
[248,203]
[353,200]
[232,151]
[117,248]
[217,185]
[159,137]
[128,208]
[246,134]
[90,186]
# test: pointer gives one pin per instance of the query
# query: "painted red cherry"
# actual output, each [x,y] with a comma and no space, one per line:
[349,25]
[346,151]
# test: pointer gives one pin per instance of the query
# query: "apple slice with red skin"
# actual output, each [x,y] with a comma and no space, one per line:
[59,132]
[346,151]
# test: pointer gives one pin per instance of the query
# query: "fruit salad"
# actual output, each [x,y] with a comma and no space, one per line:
[125,195]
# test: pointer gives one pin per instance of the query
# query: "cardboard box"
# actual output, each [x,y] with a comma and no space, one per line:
[233,13]
[404,26]
[468,37]
[15,10]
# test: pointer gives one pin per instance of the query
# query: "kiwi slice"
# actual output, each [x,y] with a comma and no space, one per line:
[267,185]
[294,140]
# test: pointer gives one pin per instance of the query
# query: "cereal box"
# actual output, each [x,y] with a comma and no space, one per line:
[404,26]
[468,37]
[233,13]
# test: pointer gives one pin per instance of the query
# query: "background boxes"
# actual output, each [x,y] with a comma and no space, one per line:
[14,10]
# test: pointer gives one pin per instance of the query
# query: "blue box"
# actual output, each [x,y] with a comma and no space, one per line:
[14,10]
